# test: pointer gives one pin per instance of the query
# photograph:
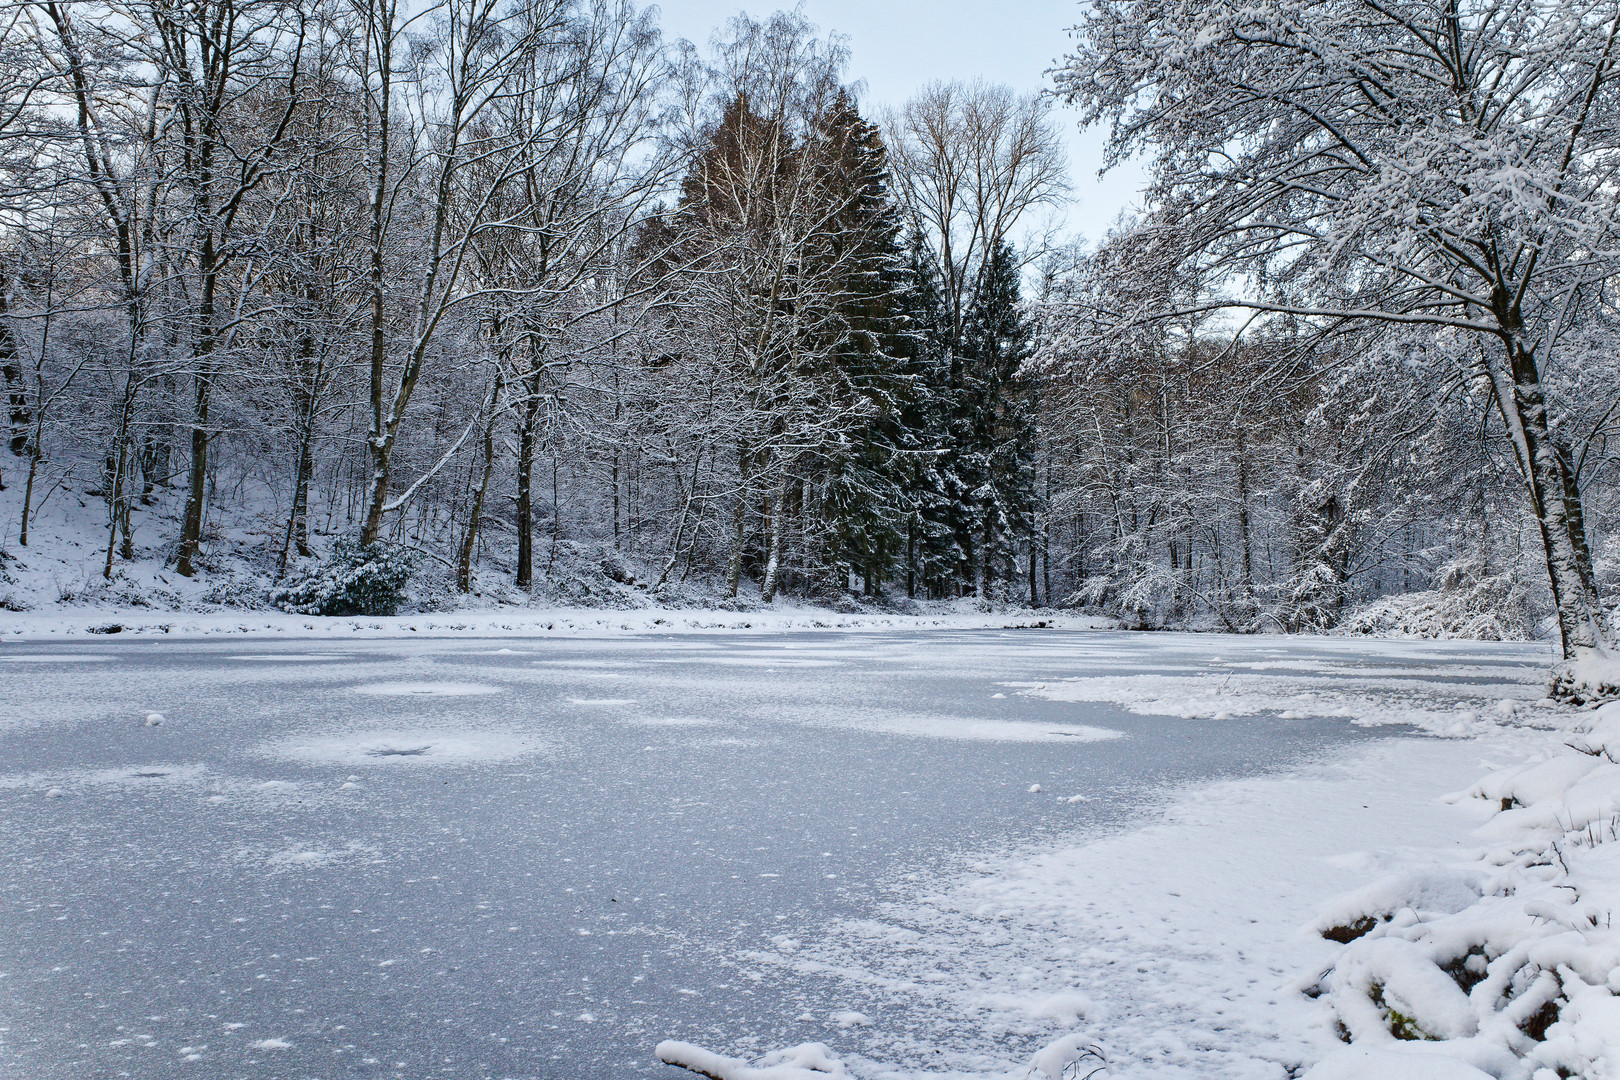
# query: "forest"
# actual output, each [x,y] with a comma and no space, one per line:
[342,304]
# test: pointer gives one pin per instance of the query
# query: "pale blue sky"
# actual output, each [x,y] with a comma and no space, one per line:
[897,46]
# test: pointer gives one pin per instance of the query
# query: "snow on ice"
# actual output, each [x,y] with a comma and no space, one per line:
[407,746]
[1384,915]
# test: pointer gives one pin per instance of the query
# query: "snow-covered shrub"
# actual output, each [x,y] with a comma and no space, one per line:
[120,592]
[352,580]
[1496,608]
[588,575]
[615,568]
[237,590]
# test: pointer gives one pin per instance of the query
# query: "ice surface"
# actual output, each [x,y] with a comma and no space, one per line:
[857,839]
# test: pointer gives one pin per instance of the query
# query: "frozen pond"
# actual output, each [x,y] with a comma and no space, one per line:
[537,857]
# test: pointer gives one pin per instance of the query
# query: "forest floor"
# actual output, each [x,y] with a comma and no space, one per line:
[57,585]
[914,852]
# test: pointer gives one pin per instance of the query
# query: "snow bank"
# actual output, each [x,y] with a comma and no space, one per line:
[1357,1063]
[1365,696]
[1508,964]
[1591,678]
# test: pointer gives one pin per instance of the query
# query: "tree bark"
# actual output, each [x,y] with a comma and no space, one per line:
[773,565]
[1555,499]
[739,517]
[525,481]
[469,538]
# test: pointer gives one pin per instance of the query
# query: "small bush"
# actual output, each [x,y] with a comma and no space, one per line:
[243,591]
[352,580]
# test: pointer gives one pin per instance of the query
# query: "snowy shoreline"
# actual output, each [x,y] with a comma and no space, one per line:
[92,622]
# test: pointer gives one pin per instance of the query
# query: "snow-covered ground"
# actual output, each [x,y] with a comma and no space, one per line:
[68,622]
[951,853]
[56,587]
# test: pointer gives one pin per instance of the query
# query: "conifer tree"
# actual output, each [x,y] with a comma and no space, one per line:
[933,556]
[862,483]
[995,425]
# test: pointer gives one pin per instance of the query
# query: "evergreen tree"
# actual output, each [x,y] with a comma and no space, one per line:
[933,556]
[861,482]
[994,426]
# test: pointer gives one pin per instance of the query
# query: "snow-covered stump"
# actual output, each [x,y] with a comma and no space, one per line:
[1592,678]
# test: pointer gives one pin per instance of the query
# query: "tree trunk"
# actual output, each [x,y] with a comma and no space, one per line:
[16,389]
[981,565]
[1034,594]
[1243,518]
[28,497]
[191,527]
[1046,540]
[297,538]
[739,517]
[525,481]
[1555,499]
[911,559]
[115,496]
[153,460]
[773,565]
[469,538]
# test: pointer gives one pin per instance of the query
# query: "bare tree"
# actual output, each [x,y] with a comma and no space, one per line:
[970,161]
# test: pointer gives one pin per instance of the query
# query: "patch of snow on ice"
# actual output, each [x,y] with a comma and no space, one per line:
[402,747]
[670,721]
[973,730]
[427,689]
[260,658]
[1436,706]
[54,658]
[1182,930]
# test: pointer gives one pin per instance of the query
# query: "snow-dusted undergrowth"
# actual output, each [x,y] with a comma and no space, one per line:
[1507,960]
[55,587]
